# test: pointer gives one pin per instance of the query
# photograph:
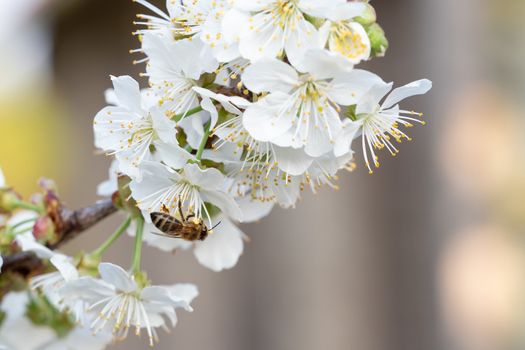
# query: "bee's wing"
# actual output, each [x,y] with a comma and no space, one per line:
[167,224]
[167,235]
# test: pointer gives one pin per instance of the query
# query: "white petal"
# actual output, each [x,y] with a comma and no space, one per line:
[63,264]
[347,89]
[23,220]
[252,5]
[172,155]
[184,291]
[419,87]
[111,97]
[266,120]
[347,11]
[127,91]
[370,101]
[193,57]
[87,288]
[318,8]
[321,139]
[222,249]
[27,242]
[160,295]
[115,275]
[209,179]
[194,129]
[292,161]
[224,202]
[110,186]
[261,43]
[234,22]
[323,64]
[300,40]
[156,178]
[270,75]
[323,34]
[164,127]
[109,134]
[343,143]
[253,210]
[209,107]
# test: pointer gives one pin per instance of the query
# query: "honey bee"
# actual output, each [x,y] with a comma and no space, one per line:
[188,228]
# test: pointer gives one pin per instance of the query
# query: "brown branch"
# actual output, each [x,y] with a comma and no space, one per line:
[69,224]
[75,222]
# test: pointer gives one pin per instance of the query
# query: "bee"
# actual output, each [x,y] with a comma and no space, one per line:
[188,228]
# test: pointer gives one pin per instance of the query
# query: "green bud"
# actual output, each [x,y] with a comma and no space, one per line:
[8,200]
[368,17]
[378,40]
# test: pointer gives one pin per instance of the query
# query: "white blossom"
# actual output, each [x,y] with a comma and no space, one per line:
[121,303]
[174,68]
[51,283]
[380,123]
[345,37]
[18,332]
[268,28]
[192,187]
[302,110]
[129,129]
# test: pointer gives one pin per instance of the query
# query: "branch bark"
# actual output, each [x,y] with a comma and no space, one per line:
[70,224]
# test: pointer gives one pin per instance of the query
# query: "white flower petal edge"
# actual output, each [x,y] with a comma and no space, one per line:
[109,186]
[222,249]
[27,242]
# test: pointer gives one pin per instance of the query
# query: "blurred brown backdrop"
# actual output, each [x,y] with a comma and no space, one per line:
[425,254]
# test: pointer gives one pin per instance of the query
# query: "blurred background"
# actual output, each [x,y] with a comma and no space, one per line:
[428,253]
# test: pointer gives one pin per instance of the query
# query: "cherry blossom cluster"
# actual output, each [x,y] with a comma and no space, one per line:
[248,104]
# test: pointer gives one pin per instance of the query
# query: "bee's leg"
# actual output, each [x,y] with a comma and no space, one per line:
[180,211]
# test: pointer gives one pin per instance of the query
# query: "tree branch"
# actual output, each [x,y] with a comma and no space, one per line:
[78,221]
[69,224]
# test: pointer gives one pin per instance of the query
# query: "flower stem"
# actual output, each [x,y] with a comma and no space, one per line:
[137,252]
[122,228]
[204,141]
[28,206]
[179,117]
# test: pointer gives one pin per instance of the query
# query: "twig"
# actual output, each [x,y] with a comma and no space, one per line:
[69,224]
[78,221]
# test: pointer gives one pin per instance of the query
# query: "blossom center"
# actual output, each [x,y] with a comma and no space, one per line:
[347,41]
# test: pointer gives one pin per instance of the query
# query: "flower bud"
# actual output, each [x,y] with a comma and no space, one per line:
[378,40]
[368,17]
[44,230]
[8,200]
